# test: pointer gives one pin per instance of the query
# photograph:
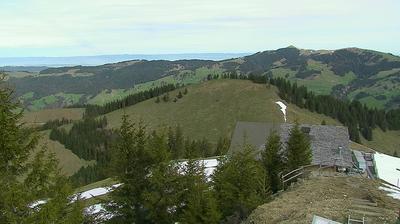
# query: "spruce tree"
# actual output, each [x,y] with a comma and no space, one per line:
[179,95]
[395,154]
[200,205]
[163,190]
[239,184]
[132,164]
[272,161]
[222,146]
[298,148]
[24,181]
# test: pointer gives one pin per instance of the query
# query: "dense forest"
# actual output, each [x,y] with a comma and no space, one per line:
[89,139]
[157,189]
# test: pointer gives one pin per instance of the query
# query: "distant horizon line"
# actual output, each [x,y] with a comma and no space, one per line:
[132,54]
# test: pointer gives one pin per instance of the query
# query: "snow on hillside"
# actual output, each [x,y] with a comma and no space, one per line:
[209,165]
[393,192]
[388,168]
[95,192]
[283,108]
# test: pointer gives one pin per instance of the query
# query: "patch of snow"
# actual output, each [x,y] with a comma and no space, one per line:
[283,108]
[95,192]
[37,203]
[100,213]
[209,166]
[394,192]
[388,168]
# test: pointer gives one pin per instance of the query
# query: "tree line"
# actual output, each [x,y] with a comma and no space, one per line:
[356,116]
[158,189]
[132,99]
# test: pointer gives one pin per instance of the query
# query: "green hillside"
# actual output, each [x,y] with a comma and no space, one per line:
[211,109]
[368,76]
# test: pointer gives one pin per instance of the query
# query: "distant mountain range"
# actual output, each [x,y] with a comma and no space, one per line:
[368,76]
[105,59]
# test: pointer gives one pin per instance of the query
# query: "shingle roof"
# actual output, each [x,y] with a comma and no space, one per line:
[329,144]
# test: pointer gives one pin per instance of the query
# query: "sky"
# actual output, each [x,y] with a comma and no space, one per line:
[97,27]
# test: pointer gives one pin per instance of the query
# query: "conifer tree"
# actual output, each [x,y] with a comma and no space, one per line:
[185,91]
[298,148]
[239,184]
[272,161]
[162,193]
[222,146]
[395,154]
[22,181]
[132,164]
[179,95]
[200,205]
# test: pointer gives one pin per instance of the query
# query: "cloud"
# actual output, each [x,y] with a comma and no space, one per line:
[167,26]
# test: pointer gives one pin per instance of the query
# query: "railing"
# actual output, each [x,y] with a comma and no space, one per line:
[292,175]
[352,221]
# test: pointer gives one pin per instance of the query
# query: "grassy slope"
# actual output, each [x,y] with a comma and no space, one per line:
[42,116]
[184,77]
[321,83]
[68,161]
[326,197]
[386,142]
[212,109]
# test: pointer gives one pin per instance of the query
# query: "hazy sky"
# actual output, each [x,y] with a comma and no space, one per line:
[91,27]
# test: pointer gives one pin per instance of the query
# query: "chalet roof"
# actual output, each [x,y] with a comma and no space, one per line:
[329,144]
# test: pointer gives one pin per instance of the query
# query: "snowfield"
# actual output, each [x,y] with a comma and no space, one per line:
[394,192]
[209,166]
[388,168]
[283,108]
[95,192]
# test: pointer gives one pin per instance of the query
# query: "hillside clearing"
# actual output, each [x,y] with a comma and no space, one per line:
[68,161]
[211,109]
[42,116]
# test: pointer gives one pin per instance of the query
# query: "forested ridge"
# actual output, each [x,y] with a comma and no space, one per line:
[349,73]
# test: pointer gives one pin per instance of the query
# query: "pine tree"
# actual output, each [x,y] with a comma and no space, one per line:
[298,148]
[179,95]
[165,97]
[163,190]
[132,164]
[222,146]
[185,91]
[272,161]
[395,154]
[24,181]
[200,205]
[239,184]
